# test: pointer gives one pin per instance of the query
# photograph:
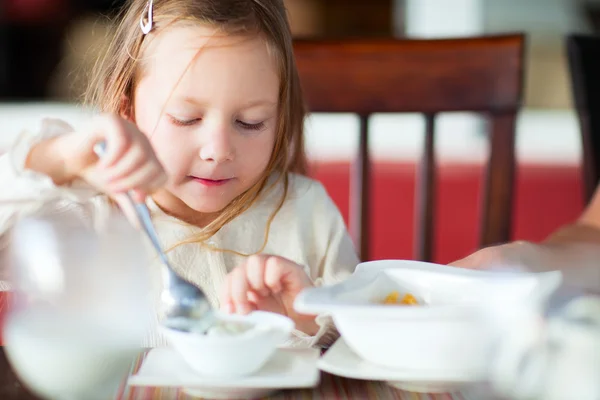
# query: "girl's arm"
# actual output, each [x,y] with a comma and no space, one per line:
[33,177]
[585,230]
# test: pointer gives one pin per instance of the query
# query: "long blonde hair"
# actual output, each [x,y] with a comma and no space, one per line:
[114,79]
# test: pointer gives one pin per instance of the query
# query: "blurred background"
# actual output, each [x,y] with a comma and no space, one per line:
[47,48]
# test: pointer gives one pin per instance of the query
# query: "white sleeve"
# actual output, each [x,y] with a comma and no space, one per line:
[335,259]
[24,192]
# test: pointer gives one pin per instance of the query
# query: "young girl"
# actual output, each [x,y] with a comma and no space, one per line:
[202,111]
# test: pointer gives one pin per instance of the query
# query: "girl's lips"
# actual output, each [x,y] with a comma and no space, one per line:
[210,182]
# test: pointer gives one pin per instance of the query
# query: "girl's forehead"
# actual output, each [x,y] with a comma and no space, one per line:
[202,43]
[206,59]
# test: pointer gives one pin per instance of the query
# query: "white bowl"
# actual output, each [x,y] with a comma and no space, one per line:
[236,355]
[448,334]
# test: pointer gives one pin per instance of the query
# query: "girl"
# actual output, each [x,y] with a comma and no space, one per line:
[202,111]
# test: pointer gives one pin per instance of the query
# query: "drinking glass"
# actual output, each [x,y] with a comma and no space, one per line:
[80,304]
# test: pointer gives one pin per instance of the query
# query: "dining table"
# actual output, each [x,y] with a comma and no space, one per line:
[329,387]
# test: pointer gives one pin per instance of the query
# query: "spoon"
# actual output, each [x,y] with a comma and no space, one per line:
[183,305]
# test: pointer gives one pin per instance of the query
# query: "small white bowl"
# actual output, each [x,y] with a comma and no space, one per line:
[449,334]
[232,356]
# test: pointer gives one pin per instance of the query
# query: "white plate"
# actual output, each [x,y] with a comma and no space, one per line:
[342,361]
[289,368]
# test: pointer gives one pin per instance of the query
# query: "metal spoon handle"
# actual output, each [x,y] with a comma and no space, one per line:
[142,212]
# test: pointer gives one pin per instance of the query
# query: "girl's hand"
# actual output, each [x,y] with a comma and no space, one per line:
[267,283]
[129,163]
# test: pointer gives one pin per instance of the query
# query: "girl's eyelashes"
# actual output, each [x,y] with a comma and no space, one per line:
[193,121]
[183,121]
[251,127]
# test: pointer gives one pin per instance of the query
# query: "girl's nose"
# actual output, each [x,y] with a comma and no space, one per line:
[218,148]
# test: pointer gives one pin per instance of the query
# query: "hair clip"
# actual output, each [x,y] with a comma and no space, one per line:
[147,15]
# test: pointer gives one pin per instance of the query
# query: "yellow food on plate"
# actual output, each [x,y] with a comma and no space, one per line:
[407,300]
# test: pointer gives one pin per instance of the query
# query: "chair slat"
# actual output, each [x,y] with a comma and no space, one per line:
[360,192]
[496,211]
[425,194]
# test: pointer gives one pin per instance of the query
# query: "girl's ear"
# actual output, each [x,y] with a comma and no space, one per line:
[126,109]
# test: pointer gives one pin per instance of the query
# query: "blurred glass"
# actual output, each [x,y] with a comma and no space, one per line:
[80,309]
[547,348]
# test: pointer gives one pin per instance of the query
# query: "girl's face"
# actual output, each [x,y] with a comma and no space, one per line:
[209,104]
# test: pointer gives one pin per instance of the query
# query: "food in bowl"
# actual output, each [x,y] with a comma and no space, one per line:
[232,328]
[407,300]
[237,345]
[228,328]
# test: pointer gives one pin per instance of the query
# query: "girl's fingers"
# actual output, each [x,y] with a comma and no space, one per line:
[225,297]
[255,272]
[274,271]
[139,196]
[131,161]
[145,178]
[113,132]
[254,298]
[239,290]
[248,286]
[253,301]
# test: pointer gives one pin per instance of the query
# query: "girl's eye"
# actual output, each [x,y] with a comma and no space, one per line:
[184,122]
[251,127]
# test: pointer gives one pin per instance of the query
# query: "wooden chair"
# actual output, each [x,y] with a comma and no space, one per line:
[427,76]
[584,62]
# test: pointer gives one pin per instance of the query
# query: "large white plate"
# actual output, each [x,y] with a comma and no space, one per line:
[342,361]
[289,368]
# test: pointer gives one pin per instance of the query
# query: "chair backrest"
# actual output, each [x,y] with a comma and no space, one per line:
[584,62]
[366,76]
